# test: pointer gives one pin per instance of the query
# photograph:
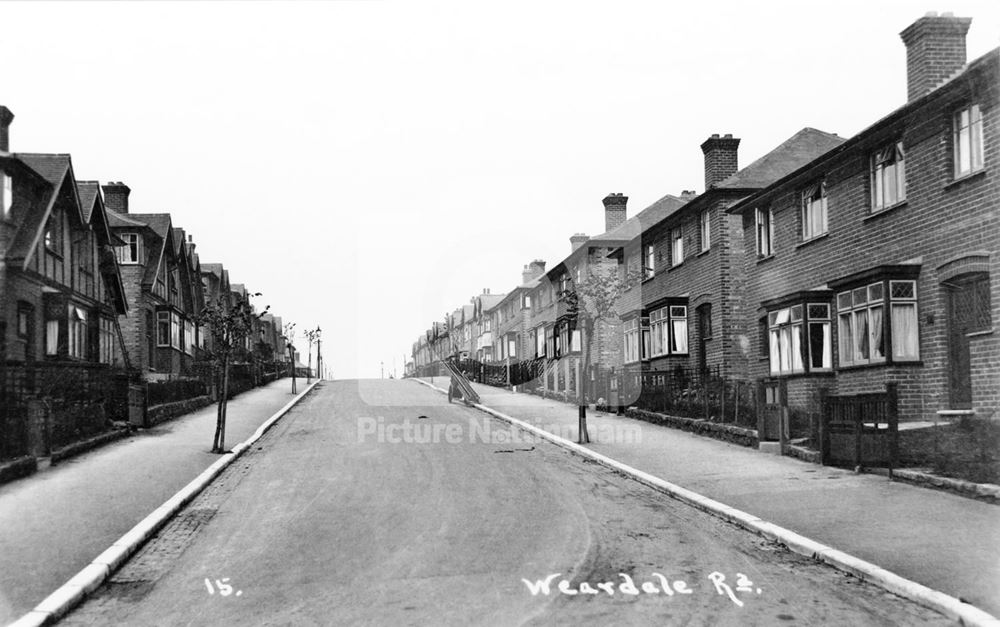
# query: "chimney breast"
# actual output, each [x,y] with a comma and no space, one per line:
[116,196]
[6,117]
[614,211]
[577,240]
[935,50]
[720,158]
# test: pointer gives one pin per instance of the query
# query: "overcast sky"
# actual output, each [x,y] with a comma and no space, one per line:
[369,166]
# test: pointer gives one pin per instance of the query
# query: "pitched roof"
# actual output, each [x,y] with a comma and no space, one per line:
[490,300]
[850,144]
[88,191]
[800,148]
[646,218]
[53,169]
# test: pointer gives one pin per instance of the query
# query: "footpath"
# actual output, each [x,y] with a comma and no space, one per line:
[55,522]
[944,541]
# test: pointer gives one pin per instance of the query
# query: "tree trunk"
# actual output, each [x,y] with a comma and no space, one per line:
[581,385]
[225,404]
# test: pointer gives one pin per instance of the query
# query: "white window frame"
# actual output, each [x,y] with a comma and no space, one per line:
[814,212]
[668,327]
[51,337]
[790,332]
[967,140]
[857,307]
[888,176]
[764,221]
[6,194]
[133,244]
[76,327]
[630,330]
[676,246]
[649,270]
[706,229]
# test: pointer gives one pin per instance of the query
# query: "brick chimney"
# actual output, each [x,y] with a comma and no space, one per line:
[116,196]
[688,194]
[577,240]
[614,211]
[720,158]
[935,49]
[532,271]
[6,117]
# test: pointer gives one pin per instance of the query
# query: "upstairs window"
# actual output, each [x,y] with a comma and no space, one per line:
[676,246]
[814,211]
[129,252]
[888,177]
[53,234]
[765,232]
[6,194]
[705,223]
[968,140]
[669,330]
[650,268]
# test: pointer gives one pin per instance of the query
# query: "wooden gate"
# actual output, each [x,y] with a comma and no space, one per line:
[860,429]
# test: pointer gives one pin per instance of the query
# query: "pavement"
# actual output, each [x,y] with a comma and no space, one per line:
[379,503]
[53,523]
[943,541]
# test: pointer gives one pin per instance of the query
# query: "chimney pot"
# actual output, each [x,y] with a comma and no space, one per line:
[935,50]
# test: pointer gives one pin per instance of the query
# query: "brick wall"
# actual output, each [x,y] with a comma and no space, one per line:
[941,221]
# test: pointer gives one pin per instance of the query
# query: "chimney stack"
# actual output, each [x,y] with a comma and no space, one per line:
[935,49]
[6,117]
[116,196]
[577,240]
[614,211]
[532,271]
[720,158]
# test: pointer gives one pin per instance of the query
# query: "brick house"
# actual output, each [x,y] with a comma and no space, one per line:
[62,295]
[161,286]
[217,291]
[484,323]
[685,314]
[879,261]
[512,317]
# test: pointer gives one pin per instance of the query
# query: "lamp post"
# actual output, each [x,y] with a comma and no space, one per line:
[319,352]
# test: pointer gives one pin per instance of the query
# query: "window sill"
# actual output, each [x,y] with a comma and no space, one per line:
[966,177]
[675,266]
[761,260]
[814,239]
[881,212]
[802,375]
[982,333]
[704,252]
[880,364]
[649,278]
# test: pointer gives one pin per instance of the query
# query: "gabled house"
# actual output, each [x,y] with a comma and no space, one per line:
[685,314]
[160,284]
[879,261]
[62,295]
[216,291]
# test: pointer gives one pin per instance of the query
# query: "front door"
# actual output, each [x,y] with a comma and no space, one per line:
[968,312]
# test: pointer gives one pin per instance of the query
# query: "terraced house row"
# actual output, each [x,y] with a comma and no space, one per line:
[100,307]
[861,268]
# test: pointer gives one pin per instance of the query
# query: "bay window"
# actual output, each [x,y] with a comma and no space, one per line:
[799,338]
[669,330]
[877,323]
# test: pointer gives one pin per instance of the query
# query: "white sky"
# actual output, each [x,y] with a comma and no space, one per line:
[369,166]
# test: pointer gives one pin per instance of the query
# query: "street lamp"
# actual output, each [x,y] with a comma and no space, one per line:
[319,352]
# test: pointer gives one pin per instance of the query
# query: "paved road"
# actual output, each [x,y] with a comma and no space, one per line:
[55,522]
[324,522]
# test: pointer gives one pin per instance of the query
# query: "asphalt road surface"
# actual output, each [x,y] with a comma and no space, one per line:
[333,518]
